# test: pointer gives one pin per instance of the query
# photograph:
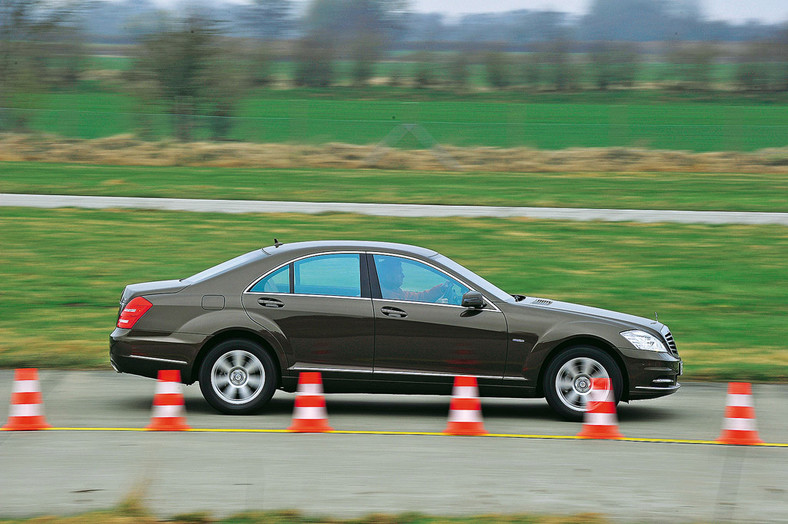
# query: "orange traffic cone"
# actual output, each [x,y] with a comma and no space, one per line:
[465,410]
[739,424]
[27,406]
[168,405]
[600,420]
[309,413]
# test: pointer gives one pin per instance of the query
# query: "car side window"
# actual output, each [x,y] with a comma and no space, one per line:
[405,279]
[276,282]
[333,275]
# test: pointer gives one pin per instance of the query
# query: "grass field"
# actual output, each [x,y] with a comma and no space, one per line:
[717,287]
[495,120]
[684,191]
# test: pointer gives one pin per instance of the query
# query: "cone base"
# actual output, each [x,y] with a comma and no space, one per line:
[465,429]
[600,432]
[310,426]
[26,424]
[167,424]
[739,438]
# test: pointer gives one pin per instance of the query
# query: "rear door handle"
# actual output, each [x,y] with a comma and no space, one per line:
[270,302]
[393,312]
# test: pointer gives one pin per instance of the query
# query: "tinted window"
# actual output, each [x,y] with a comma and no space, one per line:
[276,282]
[405,279]
[335,275]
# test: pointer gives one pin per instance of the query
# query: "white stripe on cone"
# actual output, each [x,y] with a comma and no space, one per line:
[168,388]
[310,389]
[600,395]
[465,392]
[25,410]
[167,411]
[601,419]
[464,415]
[25,386]
[309,413]
[739,424]
[740,401]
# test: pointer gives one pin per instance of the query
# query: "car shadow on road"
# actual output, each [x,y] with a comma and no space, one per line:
[423,407]
[645,413]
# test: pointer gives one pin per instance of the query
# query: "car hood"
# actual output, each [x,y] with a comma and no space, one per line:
[579,309]
[152,288]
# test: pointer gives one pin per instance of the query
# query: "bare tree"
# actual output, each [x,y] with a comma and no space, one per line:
[562,71]
[359,29]
[270,19]
[497,65]
[459,69]
[613,64]
[40,47]
[693,63]
[187,69]
[314,61]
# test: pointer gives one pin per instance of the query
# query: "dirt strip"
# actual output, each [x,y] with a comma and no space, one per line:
[129,150]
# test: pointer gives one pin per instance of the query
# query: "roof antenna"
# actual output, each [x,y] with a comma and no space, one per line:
[656,316]
[277,243]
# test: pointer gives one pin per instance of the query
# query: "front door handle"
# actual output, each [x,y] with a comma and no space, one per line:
[393,312]
[270,302]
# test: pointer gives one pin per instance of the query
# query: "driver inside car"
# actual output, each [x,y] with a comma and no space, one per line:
[391,278]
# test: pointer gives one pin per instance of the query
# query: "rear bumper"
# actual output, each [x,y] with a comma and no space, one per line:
[146,355]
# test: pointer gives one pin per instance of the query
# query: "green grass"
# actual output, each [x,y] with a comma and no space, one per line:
[506,119]
[684,191]
[719,288]
[137,514]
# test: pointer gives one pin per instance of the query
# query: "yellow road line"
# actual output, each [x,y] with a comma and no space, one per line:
[434,434]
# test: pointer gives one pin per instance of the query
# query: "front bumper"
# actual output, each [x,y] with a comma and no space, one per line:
[652,375]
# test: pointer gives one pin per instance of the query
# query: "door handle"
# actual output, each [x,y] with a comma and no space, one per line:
[270,302]
[393,312]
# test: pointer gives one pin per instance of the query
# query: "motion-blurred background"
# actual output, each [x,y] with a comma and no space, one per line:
[644,104]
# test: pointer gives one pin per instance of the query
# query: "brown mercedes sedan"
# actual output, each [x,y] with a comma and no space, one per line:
[377,317]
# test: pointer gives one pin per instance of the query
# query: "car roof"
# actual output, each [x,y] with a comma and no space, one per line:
[348,245]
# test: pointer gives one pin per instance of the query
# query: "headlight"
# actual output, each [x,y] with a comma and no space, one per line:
[645,341]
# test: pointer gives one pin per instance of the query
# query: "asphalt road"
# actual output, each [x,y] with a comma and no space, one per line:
[398,210]
[66,471]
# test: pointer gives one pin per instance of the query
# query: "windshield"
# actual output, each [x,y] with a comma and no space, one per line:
[225,266]
[474,279]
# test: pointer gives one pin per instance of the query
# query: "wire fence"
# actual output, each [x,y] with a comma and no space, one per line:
[615,127]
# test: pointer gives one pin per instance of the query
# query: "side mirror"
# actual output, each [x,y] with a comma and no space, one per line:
[473,299]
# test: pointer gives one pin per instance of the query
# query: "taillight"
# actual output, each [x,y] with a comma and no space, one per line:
[133,312]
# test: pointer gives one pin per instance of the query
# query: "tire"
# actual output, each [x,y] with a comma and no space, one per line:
[238,377]
[567,379]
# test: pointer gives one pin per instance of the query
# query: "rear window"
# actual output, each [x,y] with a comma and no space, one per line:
[226,266]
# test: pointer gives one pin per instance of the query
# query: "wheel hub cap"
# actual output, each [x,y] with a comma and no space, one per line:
[238,377]
[582,385]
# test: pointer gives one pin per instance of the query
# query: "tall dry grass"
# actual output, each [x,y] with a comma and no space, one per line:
[129,150]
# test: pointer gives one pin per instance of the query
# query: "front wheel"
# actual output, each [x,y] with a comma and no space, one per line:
[568,379]
[238,377]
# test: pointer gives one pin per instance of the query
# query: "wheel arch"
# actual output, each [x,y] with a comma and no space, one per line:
[585,341]
[231,334]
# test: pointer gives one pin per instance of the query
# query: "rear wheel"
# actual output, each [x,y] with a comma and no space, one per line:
[568,379]
[238,377]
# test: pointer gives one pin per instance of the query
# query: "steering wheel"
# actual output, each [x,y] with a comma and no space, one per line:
[449,293]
